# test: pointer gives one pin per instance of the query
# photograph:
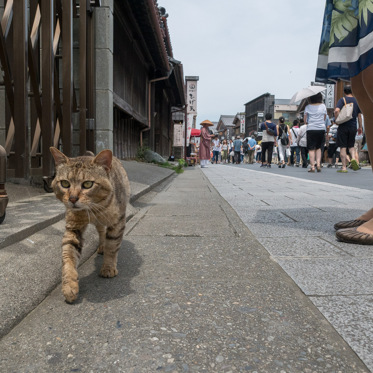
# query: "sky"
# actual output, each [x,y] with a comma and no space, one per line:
[241,49]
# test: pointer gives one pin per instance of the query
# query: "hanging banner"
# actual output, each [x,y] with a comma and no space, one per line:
[192,96]
[178,135]
[189,126]
[329,98]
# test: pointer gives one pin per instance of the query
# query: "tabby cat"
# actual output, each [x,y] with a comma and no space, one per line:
[94,190]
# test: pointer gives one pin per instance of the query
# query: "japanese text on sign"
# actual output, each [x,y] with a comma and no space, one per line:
[192,96]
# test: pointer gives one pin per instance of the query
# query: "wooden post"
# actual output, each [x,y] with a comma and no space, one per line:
[47,123]
[82,74]
[67,76]
[20,42]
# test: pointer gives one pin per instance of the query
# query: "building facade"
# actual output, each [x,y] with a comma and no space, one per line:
[85,76]
[283,108]
[225,127]
[255,111]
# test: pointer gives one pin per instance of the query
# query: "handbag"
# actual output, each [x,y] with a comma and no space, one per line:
[346,112]
[270,131]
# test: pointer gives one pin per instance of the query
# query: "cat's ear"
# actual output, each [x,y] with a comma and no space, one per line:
[58,156]
[104,159]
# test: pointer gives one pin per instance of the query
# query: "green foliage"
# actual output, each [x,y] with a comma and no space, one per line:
[140,154]
[179,167]
[182,163]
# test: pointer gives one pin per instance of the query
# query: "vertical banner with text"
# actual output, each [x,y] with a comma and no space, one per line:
[329,98]
[178,135]
[191,86]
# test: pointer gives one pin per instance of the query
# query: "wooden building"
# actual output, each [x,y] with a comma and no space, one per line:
[85,76]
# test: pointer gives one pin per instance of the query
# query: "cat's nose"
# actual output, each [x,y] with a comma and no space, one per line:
[73,199]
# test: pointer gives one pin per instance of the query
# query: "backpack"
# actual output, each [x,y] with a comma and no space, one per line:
[284,137]
[245,147]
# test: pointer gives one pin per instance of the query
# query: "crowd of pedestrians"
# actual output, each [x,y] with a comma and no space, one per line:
[308,142]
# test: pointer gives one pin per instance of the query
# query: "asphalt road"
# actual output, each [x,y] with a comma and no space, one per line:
[362,179]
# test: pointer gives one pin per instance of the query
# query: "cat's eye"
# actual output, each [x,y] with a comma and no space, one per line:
[87,184]
[65,184]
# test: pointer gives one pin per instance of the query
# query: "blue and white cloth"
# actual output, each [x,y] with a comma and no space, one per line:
[346,46]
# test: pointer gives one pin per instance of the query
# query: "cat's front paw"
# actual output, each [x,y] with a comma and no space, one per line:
[108,271]
[70,291]
[100,249]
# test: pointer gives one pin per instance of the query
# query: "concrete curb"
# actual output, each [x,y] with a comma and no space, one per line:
[27,217]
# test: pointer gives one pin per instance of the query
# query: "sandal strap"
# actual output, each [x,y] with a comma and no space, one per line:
[351,235]
[348,224]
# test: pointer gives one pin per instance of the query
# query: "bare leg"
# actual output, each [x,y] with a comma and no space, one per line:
[362,87]
[312,158]
[352,153]
[343,155]
[318,157]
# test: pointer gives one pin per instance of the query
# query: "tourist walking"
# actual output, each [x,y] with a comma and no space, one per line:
[269,131]
[332,148]
[302,142]
[237,144]
[315,116]
[230,152]
[294,148]
[224,151]
[347,130]
[252,144]
[245,149]
[258,153]
[215,149]
[283,141]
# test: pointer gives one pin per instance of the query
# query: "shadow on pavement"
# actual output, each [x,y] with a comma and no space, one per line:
[96,289]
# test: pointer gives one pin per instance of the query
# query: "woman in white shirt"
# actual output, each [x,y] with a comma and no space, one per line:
[224,151]
[314,116]
[302,142]
[216,149]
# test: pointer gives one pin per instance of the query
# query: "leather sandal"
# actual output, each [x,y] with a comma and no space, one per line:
[351,235]
[318,168]
[348,224]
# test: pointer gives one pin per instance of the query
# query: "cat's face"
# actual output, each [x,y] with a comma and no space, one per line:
[81,183]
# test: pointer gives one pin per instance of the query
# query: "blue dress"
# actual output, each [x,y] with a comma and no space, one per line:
[346,46]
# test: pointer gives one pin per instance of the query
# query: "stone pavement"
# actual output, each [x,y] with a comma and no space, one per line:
[293,219]
[196,292]
[30,241]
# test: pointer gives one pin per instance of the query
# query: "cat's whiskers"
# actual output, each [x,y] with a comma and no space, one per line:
[89,216]
[99,211]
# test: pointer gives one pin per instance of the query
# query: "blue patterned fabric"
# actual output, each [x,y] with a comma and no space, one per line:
[346,46]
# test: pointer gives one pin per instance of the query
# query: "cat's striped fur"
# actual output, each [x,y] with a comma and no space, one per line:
[94,190]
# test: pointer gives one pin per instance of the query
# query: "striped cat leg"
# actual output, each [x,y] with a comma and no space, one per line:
[114,236]
[72,244]
[101,229]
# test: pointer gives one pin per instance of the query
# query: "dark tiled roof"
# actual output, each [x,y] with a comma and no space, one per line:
[147,16]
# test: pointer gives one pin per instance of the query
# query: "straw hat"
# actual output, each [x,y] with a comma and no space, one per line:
[207,122]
